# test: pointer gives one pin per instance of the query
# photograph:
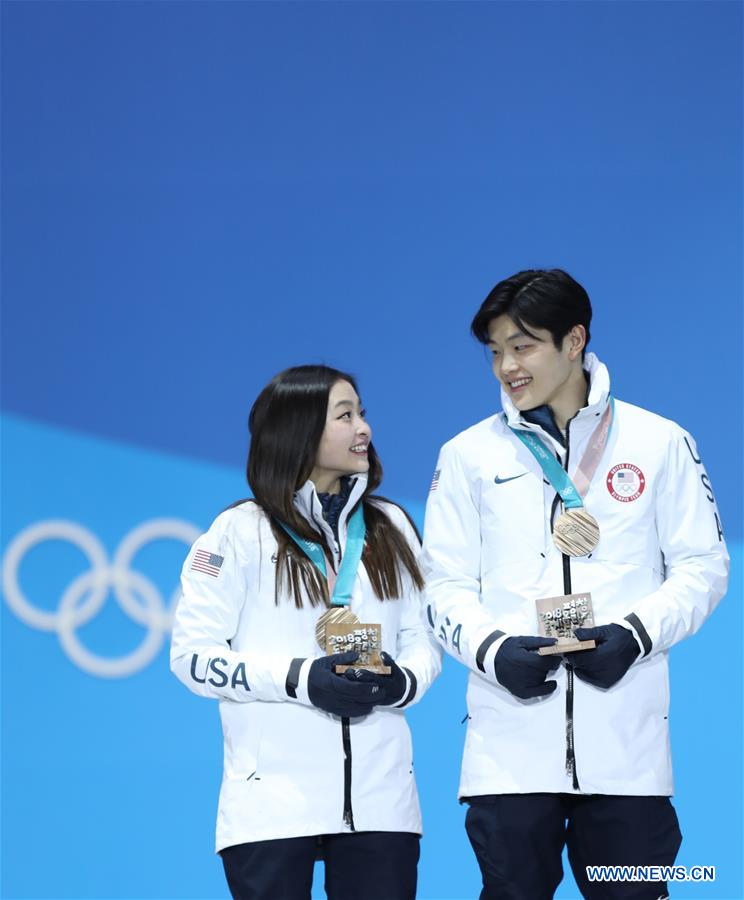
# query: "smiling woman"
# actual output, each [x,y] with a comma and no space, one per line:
[346,437]
[307,428]
[313,547]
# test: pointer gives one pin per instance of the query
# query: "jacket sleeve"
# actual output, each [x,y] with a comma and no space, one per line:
[696,560]
[214,590]
[452,566]
[417,653]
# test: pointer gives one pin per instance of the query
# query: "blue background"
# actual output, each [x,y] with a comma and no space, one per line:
[196,195]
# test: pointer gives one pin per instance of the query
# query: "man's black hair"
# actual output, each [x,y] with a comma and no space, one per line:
[536,298]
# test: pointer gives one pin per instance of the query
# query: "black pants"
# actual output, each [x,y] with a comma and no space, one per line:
[519,838]
[361,865]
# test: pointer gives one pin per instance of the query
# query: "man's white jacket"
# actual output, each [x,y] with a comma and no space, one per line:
[284,773]
[659,569]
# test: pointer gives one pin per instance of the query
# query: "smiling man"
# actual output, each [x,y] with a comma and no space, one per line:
[585,503]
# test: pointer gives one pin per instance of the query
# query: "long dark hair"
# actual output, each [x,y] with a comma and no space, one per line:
[286,424]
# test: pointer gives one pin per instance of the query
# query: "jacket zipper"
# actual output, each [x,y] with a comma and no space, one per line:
[345,724]
[346,736]
[570,749]
[570,740]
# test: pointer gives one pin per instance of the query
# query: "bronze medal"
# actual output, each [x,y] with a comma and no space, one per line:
[336,615]
[576,532]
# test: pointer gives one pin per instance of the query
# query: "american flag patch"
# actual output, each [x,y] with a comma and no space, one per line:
[209,563]
[435,481]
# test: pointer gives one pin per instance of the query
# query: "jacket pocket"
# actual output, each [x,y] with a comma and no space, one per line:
[512,521]
[242,741]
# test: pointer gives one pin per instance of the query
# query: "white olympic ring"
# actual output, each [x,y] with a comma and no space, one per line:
[84,598]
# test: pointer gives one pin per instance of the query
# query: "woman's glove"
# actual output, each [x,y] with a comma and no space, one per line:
[393,686]
[615,653]
[338,695]
[522,671]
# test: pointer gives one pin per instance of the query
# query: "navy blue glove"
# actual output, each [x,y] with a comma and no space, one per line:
[393,685]
[338,695]
[522,671]
[615,653]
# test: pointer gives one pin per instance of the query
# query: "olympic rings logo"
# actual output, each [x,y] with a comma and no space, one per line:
[86,595]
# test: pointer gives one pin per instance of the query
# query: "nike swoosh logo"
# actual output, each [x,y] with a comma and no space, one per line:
[498,480]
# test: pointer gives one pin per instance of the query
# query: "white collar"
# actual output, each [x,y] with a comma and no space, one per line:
[599,397]
[308,505]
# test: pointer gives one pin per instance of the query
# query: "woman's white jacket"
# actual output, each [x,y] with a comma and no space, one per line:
[284,760]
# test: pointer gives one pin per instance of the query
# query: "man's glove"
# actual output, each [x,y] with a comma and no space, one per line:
[338,695]
[615,653]
[522,671]
[393,685]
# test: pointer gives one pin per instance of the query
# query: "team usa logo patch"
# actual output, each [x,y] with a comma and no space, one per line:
[626,482]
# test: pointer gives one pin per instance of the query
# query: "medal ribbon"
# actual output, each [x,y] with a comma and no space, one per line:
[341,585]
[571,494]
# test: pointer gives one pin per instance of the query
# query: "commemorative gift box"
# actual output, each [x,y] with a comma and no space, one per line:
[558,617]
[364,639]
[339,631]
